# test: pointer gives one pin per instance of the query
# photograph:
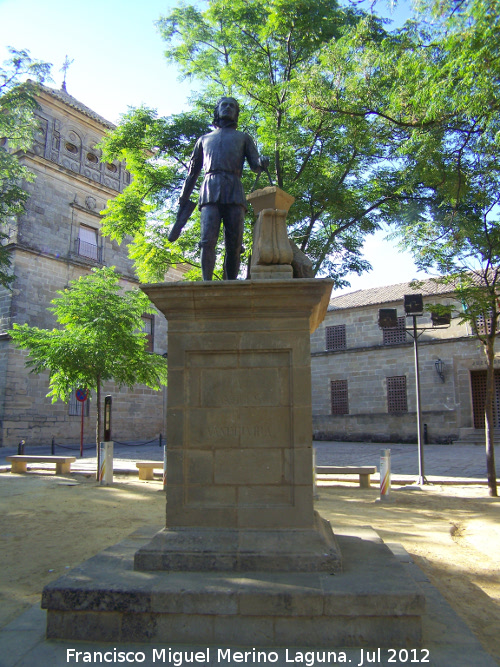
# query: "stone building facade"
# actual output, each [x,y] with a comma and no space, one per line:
[56,240]
[363,377]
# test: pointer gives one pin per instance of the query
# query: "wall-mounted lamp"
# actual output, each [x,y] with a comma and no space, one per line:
[439,364]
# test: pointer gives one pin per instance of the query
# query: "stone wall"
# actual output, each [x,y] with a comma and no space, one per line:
[70,189]
[366,363]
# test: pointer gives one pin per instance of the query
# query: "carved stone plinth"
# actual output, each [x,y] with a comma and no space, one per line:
[272,253]
[239,428]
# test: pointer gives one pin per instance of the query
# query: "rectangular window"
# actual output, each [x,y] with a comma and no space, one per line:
[87,242]
[148,326]
[75,407]
[339,397]
[396,335]
[396,394]
[335,337]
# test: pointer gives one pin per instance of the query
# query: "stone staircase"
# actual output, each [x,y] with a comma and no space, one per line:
[474,436]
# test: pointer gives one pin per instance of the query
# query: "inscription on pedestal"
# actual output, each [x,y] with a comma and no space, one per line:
[234,431]
[238,429]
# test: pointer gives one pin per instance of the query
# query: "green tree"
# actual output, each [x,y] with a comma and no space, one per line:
[263,52]
[443,99]
[101,339]
[469,256]
[434,87]
[17,125]
[463,239]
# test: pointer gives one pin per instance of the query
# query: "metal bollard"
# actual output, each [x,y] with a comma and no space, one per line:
[385,473]
[105,476]
[20,447]
[53,446]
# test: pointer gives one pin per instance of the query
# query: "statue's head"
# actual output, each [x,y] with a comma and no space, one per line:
[227,109]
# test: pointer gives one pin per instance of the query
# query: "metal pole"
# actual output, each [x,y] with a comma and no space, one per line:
[421,472]
[82,404]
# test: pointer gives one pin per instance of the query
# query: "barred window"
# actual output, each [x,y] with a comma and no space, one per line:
[396,394]
[87,242]
[396,335]
[75,407]
[339,397]
[335,337]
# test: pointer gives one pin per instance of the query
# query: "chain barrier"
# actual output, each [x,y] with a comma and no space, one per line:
[137,444]
[76,448]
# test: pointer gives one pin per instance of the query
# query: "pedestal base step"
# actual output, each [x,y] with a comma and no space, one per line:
[373,602]
[232,550]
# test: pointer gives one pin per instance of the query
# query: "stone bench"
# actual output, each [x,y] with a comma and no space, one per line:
[364,472]
[19,462]
[146,468]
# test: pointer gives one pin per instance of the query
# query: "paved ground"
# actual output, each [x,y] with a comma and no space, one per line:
[22,642]
[445,463]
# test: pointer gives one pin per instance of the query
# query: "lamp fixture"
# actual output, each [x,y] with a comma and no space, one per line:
[439,364]
[413,304]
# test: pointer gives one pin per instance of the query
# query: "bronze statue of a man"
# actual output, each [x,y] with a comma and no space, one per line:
[221,154]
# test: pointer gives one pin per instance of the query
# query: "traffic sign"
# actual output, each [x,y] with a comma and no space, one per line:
[82,395]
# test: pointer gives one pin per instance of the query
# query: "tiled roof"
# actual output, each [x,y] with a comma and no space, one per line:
[66,98]
[387,294]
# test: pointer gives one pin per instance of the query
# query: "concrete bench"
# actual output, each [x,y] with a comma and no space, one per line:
[19,462]
[146,468]
[364,472]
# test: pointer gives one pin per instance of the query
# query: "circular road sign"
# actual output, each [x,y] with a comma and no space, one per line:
[82,395]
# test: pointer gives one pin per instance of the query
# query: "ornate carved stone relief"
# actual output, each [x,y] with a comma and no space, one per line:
[40,137]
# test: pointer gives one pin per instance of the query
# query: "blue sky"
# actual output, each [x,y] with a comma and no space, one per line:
[118,62]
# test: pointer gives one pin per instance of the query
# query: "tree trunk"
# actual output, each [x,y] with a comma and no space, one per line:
[98,428]
[488,418]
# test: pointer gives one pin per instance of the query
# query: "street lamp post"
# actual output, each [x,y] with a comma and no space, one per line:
[420,445]
[413,306]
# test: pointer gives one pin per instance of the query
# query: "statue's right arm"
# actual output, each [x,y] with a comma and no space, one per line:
[195,166]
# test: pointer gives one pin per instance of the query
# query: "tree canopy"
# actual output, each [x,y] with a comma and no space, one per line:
[267,54]
[449,70]
[17,125]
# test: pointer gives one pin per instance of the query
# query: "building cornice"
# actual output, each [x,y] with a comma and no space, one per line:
[59,168]
[387,348]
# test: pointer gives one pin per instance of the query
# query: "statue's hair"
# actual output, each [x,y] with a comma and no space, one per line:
[216,121]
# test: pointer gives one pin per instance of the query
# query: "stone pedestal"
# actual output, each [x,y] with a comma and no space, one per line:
[239,425]
[243,560]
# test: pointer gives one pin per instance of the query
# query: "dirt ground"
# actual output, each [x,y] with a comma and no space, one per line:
[49,524]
